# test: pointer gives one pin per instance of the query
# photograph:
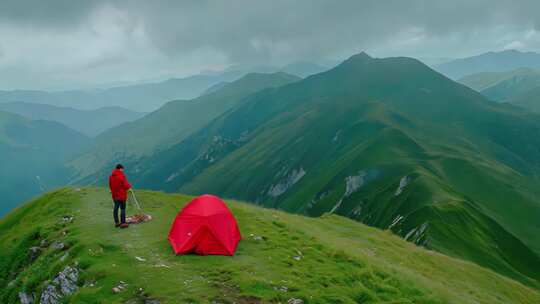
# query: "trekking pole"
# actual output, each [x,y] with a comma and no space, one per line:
[135,199]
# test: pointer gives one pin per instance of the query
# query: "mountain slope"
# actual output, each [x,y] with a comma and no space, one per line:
[90,123]
[484,80]
[489,62]
[32,154]
[519,87]
[281,257]
[529,100]
[388,142]
[171,123]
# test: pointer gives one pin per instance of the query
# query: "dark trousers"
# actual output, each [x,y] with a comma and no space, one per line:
[122,205]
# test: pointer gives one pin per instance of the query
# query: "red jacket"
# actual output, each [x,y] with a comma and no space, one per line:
[119,185]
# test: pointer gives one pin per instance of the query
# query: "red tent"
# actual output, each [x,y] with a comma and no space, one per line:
[205,226]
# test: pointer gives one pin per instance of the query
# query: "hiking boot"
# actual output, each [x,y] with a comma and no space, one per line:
[124,225]
[117,225]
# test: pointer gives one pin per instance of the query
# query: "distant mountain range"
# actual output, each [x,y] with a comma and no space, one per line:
[489,62]
[141,97]
[484,80]
[88,122]
[148,97]
[33,154]
[388,142]
[172,123]
[519,87]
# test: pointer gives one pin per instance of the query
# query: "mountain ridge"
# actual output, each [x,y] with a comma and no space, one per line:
[343,140]
[282,257]
[170,124]
[88,122]
[489,62]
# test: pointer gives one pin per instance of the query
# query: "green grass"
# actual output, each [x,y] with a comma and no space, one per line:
[341,261]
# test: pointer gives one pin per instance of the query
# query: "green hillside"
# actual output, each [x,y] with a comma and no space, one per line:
[529,100]
[32,155]
[170,124]
[388,142]
[282,258]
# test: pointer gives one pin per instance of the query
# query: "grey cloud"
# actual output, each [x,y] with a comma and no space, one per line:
[151,38]
[285,30]
[53,13]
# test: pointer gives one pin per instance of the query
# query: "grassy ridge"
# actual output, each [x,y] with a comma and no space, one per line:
[282,256]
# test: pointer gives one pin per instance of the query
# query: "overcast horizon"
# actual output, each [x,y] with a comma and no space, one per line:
[59,44]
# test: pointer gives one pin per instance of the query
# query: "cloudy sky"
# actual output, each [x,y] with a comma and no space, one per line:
[61,44]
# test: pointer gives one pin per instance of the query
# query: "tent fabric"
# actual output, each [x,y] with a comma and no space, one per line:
[205,226]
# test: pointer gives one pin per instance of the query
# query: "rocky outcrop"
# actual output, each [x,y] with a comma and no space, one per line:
[284,185]
[403,182]
[44,243]
[34,253]
[64,284]
[58,246]
[67,219]
[122,286]
[352,184]
[26,298]
[418,235]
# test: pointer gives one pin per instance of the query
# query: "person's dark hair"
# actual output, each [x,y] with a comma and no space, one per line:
[119,166]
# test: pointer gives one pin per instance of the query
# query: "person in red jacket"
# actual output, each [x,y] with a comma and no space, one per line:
[119,186]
